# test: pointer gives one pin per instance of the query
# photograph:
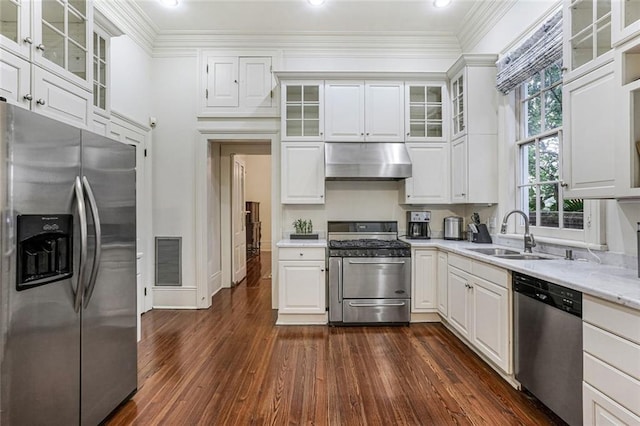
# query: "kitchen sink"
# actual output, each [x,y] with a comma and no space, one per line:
[522,256]
[495,251]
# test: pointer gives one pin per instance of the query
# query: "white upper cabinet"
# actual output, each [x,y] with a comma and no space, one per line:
[62,36]
[474,121]
[589,139]
[237,86]
[15,31]
[364,111]
[625,20]
[384,112]
[302,110]
[458,117]
[425,112]
[45,57]
[429,183]
[627,62]
[344,111]
[302,180]
[587,36]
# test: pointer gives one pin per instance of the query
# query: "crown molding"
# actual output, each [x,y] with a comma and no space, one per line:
[343,41]
[481,18]
[131,19]
[357,75]
[473,59]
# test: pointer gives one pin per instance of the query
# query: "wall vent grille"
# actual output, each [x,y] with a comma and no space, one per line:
[169,261]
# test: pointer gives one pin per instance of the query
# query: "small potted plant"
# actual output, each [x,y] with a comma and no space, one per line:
[303,230]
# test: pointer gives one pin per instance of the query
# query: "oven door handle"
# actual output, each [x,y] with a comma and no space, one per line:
[373,305]
[398,262]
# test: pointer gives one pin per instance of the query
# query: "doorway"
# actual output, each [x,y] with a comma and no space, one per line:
[245,175]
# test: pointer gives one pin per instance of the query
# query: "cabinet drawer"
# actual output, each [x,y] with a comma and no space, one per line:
[617,319]
[491,273]
[616,351]
[460,262]
[615,384]
[598,410]
[301,253]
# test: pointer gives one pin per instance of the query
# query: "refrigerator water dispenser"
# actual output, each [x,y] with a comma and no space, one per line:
[45,249]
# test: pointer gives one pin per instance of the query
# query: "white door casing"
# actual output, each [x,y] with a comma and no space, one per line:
[239,251]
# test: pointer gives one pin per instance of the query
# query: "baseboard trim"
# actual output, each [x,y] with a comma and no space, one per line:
[175,297]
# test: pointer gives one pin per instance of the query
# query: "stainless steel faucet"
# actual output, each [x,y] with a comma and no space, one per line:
[529,241]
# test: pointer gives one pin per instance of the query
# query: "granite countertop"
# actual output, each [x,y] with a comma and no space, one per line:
[616,284]
[320,243]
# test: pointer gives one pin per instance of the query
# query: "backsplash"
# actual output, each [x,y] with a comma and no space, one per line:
[579,254]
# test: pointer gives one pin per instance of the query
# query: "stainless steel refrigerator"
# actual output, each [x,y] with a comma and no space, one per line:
[68,292]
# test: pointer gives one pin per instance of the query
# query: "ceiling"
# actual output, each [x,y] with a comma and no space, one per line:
[298,16]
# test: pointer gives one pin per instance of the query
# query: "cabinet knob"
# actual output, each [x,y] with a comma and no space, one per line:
[367,134]
[322,270]
[361,134]
[564,184]
[28,40]
[235,81]
[322,196]
[40,47]
[463,194]
[321,133]
[408,134]
[28,97]
[301,254]
[41,102]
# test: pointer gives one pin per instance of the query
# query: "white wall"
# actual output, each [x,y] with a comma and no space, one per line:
[132,87]
[174,106]
[258,188]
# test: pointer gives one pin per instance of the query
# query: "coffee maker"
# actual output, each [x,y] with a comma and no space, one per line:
[418,225]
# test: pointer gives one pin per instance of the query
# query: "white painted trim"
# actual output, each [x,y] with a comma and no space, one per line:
[394,76]
[129,16]
[174,298]
[129,122]
[215,283]
[480,19]
[242,130]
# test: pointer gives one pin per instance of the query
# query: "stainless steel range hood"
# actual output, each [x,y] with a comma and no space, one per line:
[366,161]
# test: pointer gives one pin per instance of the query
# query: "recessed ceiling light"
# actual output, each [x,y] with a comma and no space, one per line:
[170,3]
[316,2]
[441,3]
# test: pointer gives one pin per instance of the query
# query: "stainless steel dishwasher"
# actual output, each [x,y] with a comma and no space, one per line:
[548,344]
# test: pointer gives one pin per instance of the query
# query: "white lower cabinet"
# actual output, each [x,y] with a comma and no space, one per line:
[460,306]
[423,293]
[479,308]
[600,410]
[301,286]
[490,320]
[442,293]
[611,344]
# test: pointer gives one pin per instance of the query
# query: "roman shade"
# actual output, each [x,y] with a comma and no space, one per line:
[541,49]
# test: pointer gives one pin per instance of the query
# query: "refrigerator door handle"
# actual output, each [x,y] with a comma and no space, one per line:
[82,215]
[98,233]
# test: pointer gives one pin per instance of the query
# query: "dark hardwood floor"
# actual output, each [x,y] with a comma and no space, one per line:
[231,365]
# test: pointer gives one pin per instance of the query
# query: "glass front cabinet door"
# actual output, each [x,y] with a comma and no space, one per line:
[62,38]
[587,33]
[302,111]
[424,115]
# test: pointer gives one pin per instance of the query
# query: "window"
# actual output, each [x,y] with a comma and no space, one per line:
[540,191]
[100,71]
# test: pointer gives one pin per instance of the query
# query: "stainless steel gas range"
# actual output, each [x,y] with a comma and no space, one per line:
[369,274]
